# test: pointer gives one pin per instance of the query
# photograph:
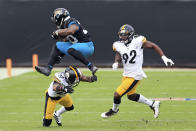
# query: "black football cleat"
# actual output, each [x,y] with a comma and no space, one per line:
[57,119]
[43,70]
[109,113]
[93,69]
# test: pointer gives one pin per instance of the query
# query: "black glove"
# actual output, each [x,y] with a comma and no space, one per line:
[54,35]
[68,89]
[93,78]
[58,60]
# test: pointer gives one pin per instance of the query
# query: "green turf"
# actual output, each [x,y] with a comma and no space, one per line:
[22,104]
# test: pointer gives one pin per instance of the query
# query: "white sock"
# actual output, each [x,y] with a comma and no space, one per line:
[60,111]
[115,107]
[145,100]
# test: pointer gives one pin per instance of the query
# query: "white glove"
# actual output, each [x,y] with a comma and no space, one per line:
[115,66]
[167,60]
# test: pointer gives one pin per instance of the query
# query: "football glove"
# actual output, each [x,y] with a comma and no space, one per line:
[68,89]
[167,61]
[58,60]
[115,66]
[55,35]
[93,78]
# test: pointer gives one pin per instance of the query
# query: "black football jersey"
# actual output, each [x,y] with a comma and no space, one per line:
[81,35]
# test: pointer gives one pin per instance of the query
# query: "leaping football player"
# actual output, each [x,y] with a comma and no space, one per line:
[129,51]
[72,40]
[58,92]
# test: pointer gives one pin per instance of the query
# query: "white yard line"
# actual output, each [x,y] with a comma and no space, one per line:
[130,112]
[145,69]
[15,72]
[19,71]
[174,99]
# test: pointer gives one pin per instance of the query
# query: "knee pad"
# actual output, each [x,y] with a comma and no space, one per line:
[69,108]
[134,97]
[117,100]
[47,122]
[70,50]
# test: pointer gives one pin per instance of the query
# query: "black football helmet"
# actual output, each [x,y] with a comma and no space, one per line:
[126,33]
[72,75]
[59,16]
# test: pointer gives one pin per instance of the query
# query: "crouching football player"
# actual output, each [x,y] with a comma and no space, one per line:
[58,92]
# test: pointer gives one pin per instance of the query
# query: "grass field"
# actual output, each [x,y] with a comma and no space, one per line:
[22,103]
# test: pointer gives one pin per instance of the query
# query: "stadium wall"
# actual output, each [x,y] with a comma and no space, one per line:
[26,29]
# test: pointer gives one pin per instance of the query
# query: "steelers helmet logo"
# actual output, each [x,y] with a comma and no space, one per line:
[72,75]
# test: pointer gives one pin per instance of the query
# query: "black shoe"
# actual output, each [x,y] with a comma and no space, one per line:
[47,122]
[93,69]
[44,70]
[57,119]
[109,113]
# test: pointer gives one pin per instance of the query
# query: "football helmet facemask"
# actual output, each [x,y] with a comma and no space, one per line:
[126,33]
[72,75]
[59,16]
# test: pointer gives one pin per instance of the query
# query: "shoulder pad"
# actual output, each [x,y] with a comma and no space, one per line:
[58,76]
[73,21]
[117,45]
[140,38]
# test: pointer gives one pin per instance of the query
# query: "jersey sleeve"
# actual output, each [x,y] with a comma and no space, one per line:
[113,48]
[56,78]
[144,39]
[116,46]
[73,22]
[60,78]
[141,40]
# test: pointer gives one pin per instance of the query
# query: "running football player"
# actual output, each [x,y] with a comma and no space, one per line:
[58,92]
[72,40]
[129,51]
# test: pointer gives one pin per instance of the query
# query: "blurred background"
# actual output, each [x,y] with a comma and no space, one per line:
[26,28]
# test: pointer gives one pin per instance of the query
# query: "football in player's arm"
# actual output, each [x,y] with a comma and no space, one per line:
[129,51]
[58,93]
[72,39]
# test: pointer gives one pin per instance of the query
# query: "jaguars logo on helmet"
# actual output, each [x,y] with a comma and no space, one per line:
[72,75]
[59,16]
[126,33]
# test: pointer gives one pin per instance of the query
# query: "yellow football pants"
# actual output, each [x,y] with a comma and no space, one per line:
[50,104]
[128,86]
